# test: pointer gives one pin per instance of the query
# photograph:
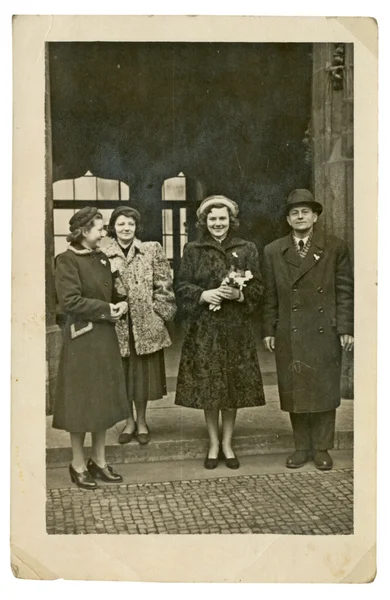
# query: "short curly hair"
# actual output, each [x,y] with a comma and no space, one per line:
[76,233]
[125,211]
[201,224]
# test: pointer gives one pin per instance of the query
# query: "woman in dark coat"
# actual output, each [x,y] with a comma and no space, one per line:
[91,392]
[219,368]
[144,276]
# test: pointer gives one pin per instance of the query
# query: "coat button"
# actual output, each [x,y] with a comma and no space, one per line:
[295,308]
[295,329]
[321,329]
[320,290]
[295,289]
[103,316]
[321,310]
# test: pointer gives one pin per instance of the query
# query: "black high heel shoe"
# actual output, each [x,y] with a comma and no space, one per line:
[82,480]
[106,473]
[231,463]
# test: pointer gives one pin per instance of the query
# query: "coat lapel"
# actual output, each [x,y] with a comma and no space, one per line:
[290,252]
[98,256]
[313,256]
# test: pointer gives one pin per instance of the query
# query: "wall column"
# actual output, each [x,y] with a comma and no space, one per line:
[332,132]
[53,332]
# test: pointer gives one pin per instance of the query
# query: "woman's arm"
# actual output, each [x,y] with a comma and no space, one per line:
[164,303]
[68,287]
[188,293]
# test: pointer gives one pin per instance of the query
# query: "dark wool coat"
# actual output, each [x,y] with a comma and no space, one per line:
[219,365]
[145,276]
[308,303]
[91,391]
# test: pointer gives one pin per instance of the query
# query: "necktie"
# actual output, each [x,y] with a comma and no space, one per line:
[301,244]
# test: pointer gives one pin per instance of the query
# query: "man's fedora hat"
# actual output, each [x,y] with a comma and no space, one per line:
[299,197]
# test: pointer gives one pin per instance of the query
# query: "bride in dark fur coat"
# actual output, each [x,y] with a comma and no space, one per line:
[219,287]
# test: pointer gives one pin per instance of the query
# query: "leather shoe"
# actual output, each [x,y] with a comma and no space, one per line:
[323,460]
[211,463]
[297,459]
[106,473]
[82,480]
[125,437]
[231,463]
[143,438]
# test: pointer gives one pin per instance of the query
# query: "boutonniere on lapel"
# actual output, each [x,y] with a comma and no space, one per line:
[235,254]
[317,256]
[103,261]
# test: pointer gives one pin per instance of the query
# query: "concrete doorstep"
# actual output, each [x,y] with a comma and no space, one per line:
[180,433]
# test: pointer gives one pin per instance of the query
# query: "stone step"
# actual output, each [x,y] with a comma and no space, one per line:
[179,433]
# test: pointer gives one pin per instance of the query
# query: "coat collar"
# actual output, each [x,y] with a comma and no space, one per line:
[228,243]
[113,249]
[81,250]
[314,254]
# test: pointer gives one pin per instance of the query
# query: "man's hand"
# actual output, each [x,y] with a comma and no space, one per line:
[346,342]
[269,343]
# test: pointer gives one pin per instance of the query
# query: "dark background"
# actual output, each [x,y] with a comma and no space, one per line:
[230,116]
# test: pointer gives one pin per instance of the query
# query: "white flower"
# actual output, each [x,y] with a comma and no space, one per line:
[235,254]
[104,262]
[316,257]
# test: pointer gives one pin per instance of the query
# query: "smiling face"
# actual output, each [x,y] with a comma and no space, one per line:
[125,229]
[301,218]
[93,235]
[218,222]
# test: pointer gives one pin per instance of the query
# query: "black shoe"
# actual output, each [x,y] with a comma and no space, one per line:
[211,463]
[143,438]
[231,463]
[106,473]
[297,459]
[125,438]
[82,480]
[323,460]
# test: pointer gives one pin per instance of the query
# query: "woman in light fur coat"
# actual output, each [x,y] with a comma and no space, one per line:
[143,272]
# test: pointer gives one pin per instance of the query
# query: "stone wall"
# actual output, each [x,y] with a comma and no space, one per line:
[332,151]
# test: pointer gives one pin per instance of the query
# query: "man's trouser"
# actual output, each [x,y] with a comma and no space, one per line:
[314,431]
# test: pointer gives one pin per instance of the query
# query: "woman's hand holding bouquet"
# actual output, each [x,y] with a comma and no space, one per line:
[230,288]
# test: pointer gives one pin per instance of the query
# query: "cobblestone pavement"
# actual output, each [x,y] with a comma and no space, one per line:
[285,503]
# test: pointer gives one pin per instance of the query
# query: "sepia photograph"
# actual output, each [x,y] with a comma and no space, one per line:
[186,382]
[199,288]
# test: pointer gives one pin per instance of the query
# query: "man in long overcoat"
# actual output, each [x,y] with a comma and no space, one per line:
[308,321]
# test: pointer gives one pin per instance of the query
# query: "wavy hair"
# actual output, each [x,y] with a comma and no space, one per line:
[201,223]
[76,233]
[128,212]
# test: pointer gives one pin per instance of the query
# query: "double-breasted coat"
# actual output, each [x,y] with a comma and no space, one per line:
[145,277]
[219,366]
[91,392]
[308,304]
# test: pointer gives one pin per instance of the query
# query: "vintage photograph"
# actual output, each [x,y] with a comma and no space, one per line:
[199,267]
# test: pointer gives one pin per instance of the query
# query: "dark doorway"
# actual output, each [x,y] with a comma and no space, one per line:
[230,115]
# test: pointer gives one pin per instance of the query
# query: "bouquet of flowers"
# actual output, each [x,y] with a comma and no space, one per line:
[236,278]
